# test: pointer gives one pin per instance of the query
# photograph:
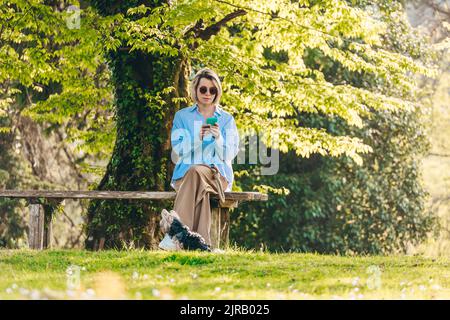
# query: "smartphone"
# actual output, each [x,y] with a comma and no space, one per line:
[211,121]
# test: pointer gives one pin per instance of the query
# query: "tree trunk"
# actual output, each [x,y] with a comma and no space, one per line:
[141,157]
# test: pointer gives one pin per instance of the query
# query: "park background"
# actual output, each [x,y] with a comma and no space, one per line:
[357,92]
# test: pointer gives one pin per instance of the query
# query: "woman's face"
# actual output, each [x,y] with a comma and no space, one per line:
[206,98]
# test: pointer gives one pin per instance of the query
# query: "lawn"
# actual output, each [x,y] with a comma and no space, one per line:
[234,274]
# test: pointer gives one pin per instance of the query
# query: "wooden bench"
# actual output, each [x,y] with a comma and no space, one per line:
[40,226]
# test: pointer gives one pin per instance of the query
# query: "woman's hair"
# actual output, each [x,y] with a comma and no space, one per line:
[210,75]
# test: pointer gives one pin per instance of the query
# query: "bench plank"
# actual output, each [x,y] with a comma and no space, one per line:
[138,195]
[36,227]
[40,227]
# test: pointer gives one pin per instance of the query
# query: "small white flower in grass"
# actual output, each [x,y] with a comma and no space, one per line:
[360,296]
[430,281]
[194,275]
[70,293]
[172,280]
[217,289]
[295,291]
[90,292]
[145,277]
[83,269]
[156,292]
[138,295]
[14,286]
[355,281]
[422,288]
[73,277]
[374,279]
[402,284]
[35,295]
[135,275]
[403,296]
[268,285]
[356,289]
[158,276]
[9,290]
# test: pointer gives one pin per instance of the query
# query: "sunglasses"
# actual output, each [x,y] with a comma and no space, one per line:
[212,90]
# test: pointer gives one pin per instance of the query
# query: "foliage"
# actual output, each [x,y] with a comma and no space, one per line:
[55,74]
[265,94]
[338,206]
[60,74]
[335,205]
[270,95]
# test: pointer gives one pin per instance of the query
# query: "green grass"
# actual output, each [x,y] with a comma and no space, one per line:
[137,274]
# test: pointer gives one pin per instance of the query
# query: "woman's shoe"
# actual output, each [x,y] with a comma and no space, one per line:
[168,244]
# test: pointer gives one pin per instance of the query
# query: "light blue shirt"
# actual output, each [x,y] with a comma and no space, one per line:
[188,149]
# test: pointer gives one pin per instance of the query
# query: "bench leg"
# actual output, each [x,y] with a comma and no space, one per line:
[36,227]
[40,228]
[220,228]
[48,232]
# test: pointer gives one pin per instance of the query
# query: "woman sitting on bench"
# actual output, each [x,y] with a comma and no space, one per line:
[204,142]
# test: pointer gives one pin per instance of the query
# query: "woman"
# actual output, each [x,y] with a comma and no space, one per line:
[203,155]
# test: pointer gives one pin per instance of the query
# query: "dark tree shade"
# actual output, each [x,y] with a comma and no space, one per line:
[141,156]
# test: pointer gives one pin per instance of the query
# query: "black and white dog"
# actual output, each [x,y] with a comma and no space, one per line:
[183,237]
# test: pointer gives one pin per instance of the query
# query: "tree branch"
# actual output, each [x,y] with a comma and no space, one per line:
[214,29]
[206,34]
[439,155]
[438,8]
[69,219]
[71,159]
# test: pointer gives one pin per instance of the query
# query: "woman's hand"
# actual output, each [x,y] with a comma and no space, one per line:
[204,131]
[214,130]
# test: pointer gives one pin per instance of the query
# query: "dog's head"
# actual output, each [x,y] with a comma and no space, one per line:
[167,219]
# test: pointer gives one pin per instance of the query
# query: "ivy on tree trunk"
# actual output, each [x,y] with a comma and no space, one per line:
[141,157]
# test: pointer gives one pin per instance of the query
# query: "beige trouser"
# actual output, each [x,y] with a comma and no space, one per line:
[192,200]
